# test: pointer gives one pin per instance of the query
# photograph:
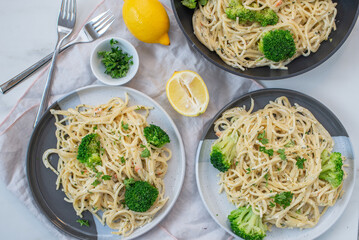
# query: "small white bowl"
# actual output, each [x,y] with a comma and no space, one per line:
[98,68]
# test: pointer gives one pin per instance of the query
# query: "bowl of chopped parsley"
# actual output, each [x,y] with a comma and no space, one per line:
[114,61]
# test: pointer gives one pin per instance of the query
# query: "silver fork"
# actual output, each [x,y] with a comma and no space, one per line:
[94,29]
[65,25]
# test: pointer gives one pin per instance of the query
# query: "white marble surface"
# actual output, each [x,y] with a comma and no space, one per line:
[28,33]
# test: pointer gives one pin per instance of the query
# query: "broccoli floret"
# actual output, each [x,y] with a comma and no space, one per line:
[277,45]
[140,195]
[246,224]
[203,2]
[89,150]
[267,17]
[189,3]
[224,151]
[237,10]
[156,136]
[332,171]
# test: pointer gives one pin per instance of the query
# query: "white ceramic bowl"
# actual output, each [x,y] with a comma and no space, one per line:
[98,68]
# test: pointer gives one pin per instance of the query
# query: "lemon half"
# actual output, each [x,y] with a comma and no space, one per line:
[187,93]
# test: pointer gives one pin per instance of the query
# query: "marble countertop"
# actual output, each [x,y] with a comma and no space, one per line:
[28,34]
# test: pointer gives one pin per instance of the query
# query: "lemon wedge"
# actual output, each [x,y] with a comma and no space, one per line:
[187,93]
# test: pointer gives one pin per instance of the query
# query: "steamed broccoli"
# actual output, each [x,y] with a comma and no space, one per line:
[237,10]
[140,195]
[89,150]
[224,151]
[246,224]
[265,17]
[156,136]
[189,3]
[193,3]
[332,171]
[277,45]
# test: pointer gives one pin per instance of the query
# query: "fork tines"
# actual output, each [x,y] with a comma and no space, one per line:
[102,22]
[68,9]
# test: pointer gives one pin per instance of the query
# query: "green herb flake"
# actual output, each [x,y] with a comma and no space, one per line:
[96,182]
[82,172]
[291,143]
[300,162]
[266,151]
[123,160]
[95,128]
[106,177]
[261,138]
[99,174]
[266,176]
[271,204]
[281,153]
[248,170]
[124,126]
[83,222]
[284,199]
[145,153]
[129,182]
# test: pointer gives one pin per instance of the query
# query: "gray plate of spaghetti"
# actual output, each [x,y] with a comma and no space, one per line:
[105,163]
[275,164]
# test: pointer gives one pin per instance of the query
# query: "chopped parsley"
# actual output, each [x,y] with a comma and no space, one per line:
[99,174]
[96,182]
[300,162]
[124,126]
[282,154]
[284,199]
[83,222]
[106,177]
[95,128]
[271,204]
[261,138]
[145,153]
[117,62]
[266,176]
[248,170]
[289,144]
[128,182]
[123,160]
[266,151]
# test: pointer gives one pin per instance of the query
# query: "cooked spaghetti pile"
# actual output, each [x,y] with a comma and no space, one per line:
[276,161]
[102,151]
[234,28]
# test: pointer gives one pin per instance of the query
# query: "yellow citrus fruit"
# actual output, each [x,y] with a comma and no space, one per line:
[187,93]
[147,20]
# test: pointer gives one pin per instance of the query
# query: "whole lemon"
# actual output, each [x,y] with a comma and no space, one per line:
[147,20]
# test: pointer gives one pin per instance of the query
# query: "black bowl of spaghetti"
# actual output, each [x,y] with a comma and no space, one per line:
[322,31]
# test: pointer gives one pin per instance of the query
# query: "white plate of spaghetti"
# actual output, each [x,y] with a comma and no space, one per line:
[278,158]
[113,163]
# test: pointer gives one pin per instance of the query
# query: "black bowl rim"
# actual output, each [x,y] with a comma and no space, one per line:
[242,73]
